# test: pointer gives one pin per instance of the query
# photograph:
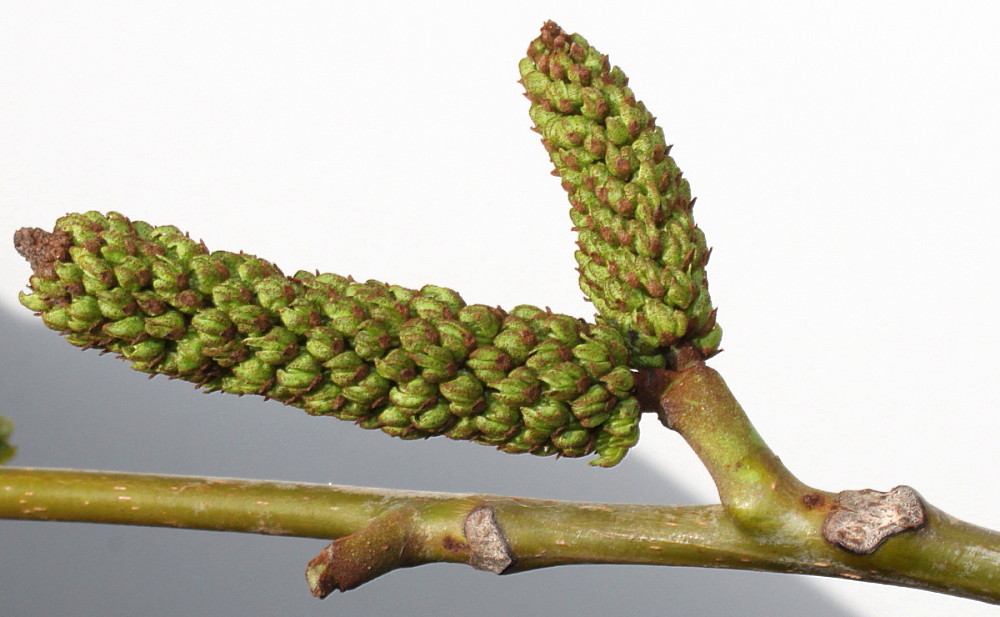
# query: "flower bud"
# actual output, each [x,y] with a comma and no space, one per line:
[484,321]
[276,347]
[301,374]
[415,395]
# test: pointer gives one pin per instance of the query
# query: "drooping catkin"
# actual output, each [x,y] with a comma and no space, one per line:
[413,363]
[641,257]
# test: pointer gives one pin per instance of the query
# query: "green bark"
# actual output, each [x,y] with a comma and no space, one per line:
[946,555]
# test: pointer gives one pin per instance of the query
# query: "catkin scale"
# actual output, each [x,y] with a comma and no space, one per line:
[413,363]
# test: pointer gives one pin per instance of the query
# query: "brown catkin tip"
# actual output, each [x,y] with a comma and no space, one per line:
[42,249]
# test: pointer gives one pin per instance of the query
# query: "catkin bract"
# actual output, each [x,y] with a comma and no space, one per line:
[641,257]
[411,363]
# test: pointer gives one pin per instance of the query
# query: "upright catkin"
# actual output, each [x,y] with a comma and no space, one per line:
[641,257]
[411,363]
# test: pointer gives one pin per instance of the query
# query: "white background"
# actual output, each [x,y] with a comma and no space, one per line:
[845,157]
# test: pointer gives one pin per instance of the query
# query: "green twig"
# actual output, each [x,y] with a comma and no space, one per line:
[945,555]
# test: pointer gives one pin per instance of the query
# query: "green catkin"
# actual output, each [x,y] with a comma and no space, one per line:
[411,363]
[641,257]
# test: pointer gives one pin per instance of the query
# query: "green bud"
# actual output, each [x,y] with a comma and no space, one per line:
[619,381]
[274,293]
[593,407]
[431,309]
[396,366]
[465,393]
[563,328]
[324,343]
[167,325]
[415,395]
[594,358]
[33,302]
[301,374]
[231,294]
[372,339]
[523,441]
[276,347]
[323,400]
[7,451]
[517,339]
[345,315]
[435,363]
[448,296]
[67,273]
[299,316]
[457,338]
[434,420]
[115,303]
[565,381]
[370,391]
[168,277]
[417,334]
[94,267]
[190,355]
[547,354]
[353,411]
[527,312]
[149,302]
[393,416]
[254,374]
[483,321]
[84,313]
[207,272]
[250,319]
[56,319]
[519,388]
[547,415]
[464,429]
[252,270]
[126,329]
[489,364]
[214,324]
[346,368]
[571,438]
[144,351]
[497,423]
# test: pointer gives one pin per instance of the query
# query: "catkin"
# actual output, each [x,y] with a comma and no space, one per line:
[641,257]
[413,363]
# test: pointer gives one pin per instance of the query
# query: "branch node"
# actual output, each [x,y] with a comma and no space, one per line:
[861,520]
[348,562]
[488,547]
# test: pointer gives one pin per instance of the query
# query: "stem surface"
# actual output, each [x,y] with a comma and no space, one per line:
[945,555]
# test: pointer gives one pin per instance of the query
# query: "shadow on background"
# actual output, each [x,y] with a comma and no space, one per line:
[75,409]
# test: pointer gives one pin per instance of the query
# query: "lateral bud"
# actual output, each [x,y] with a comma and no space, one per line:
[862,520]
[488,545]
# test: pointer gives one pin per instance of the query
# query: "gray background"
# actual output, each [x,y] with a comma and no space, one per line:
[844,159]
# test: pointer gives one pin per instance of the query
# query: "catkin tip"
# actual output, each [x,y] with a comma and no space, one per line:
[42,249]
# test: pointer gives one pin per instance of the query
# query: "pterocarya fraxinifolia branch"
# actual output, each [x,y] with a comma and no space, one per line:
[420,363]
